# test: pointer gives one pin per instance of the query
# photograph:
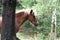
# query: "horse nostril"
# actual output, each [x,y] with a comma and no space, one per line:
[36,24]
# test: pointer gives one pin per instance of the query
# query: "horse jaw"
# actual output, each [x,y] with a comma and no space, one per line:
[32,24]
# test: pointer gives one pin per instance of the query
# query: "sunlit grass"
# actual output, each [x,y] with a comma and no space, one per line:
[39,36]
[22,36]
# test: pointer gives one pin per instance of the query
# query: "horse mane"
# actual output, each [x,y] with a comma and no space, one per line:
[27,10]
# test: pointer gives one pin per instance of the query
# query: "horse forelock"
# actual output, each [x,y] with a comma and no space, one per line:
[27,11]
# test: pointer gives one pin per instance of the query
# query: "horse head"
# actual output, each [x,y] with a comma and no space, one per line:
[32,18]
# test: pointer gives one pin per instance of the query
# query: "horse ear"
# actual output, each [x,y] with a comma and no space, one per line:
[31,11]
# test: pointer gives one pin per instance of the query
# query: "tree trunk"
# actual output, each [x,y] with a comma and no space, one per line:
[8,22]
[0,6]
[53,24]
[51,32]
[0,12]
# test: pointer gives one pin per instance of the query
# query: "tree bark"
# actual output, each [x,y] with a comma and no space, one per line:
[53,24]
[8,20]
[0,12]
[0,6]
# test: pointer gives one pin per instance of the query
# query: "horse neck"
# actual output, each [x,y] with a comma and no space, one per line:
[20,19]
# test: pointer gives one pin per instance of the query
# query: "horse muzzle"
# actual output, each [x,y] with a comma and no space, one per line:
[37,23]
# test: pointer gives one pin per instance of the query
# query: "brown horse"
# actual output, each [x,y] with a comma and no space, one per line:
[21,17]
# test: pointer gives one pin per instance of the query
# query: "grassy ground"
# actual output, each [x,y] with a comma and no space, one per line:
[29,37]
[23,36]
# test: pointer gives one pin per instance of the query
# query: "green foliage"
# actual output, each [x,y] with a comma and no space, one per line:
[43,8]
